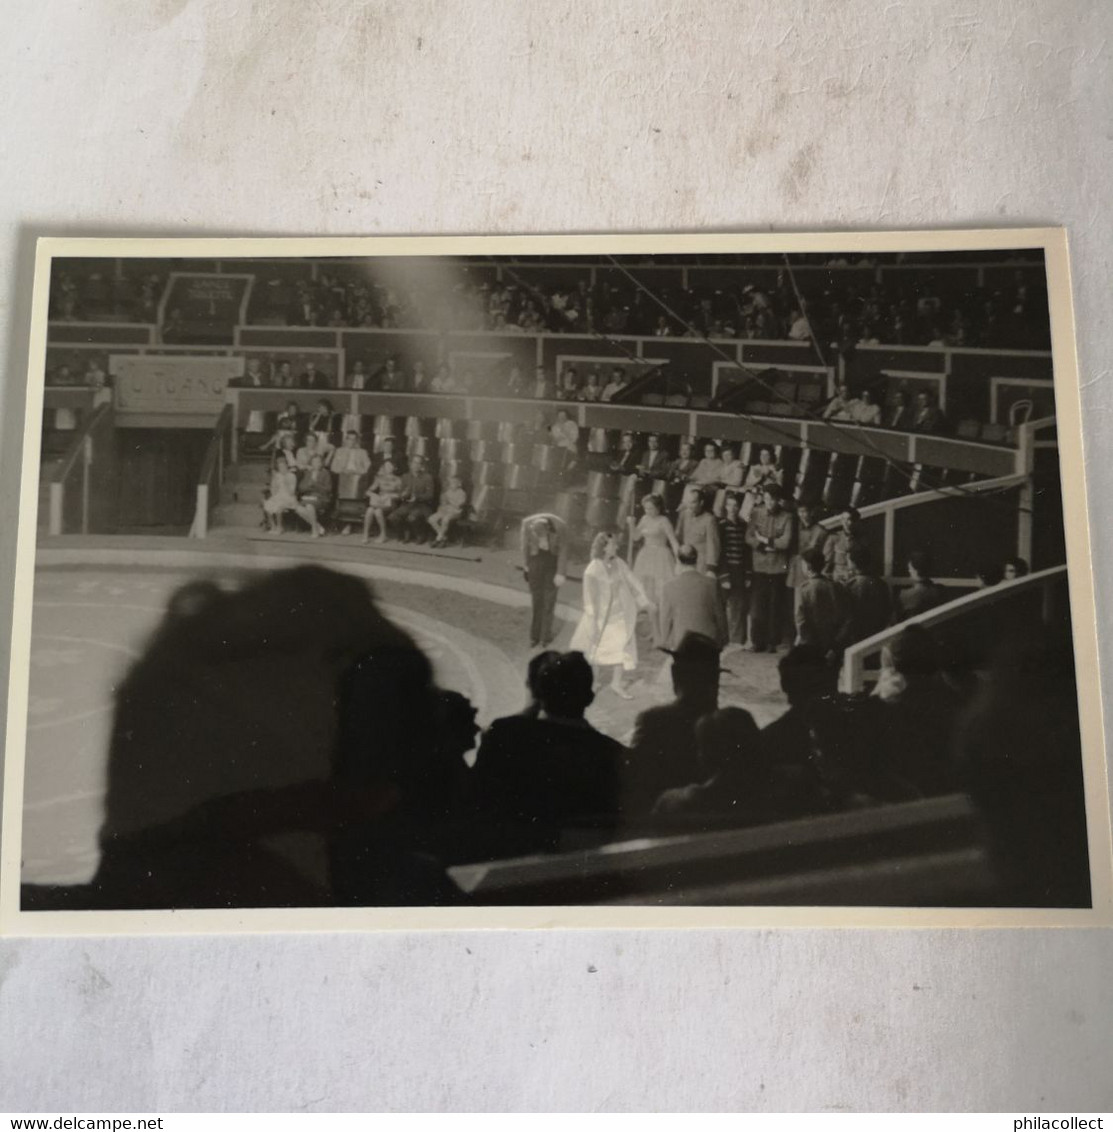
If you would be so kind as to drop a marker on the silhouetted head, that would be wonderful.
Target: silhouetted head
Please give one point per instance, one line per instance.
(805, 674)
(1016, 568)
(728, 743)
(564, 685)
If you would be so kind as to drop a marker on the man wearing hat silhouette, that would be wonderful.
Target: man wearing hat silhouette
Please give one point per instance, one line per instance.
(770, 534)
(663, 750)
(690, 604)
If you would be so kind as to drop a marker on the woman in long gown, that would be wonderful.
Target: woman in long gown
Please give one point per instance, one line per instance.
(655, 562)
(612, 598)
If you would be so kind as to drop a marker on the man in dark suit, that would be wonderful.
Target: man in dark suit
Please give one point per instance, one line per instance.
(655, 461)
(926, 416)
(537, 777)
(690, 604)
(822, 608)
(871, 604)
(313, 378)
(663, 750)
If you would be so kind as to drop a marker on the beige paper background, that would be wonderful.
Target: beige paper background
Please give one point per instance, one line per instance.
(529, 117)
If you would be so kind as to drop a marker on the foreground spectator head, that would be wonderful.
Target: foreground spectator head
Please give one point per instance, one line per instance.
(1016, 568)
(814, 561)
(456, 726)
(687, 555)
(919, 566)
(695, 667)
(991, 574)
(237, 725)
(729, 743)
(860, 558)
(805, 674)
(565, 686)
(533, 671)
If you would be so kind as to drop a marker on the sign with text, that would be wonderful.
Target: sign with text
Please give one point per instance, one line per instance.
(159, 384)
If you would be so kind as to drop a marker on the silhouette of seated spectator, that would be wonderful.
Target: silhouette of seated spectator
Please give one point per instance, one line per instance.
(538, 777)
(737, 787)
(259, 747)
(806, 679)
(871, 604)
(662, 750)
(913, 729)
(1019, 755)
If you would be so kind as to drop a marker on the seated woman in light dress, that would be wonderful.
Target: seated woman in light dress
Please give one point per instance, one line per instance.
(655, 562)
(382, 497)
(612, 598)
(284, 497)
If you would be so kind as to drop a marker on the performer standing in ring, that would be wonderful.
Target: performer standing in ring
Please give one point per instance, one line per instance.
(544, 552)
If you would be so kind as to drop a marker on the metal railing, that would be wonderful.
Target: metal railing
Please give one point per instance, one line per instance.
(211, 476)
(853, 677)
(889, 509)
(71, 486)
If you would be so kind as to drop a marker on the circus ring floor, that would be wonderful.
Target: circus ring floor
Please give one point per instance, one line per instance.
(96, 602)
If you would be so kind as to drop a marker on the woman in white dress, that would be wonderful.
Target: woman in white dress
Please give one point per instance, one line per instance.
(655, 562)
(612, 598)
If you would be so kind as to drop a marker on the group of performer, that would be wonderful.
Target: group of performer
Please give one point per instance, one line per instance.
(744, 576)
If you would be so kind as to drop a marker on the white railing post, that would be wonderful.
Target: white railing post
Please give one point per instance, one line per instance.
(200, 528)
(57, 502)
(86, 464)
(851, 678)
(890, 539)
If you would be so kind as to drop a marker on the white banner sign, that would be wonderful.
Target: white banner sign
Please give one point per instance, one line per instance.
(153, 383)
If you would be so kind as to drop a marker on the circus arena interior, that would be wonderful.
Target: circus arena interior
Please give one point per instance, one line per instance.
(683, 579)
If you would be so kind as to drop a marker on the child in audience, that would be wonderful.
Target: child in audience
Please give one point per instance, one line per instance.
(283, 493)
(453, 501)
(382, 498)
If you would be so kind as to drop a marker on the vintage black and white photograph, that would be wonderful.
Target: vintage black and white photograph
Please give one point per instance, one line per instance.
(377, 577)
